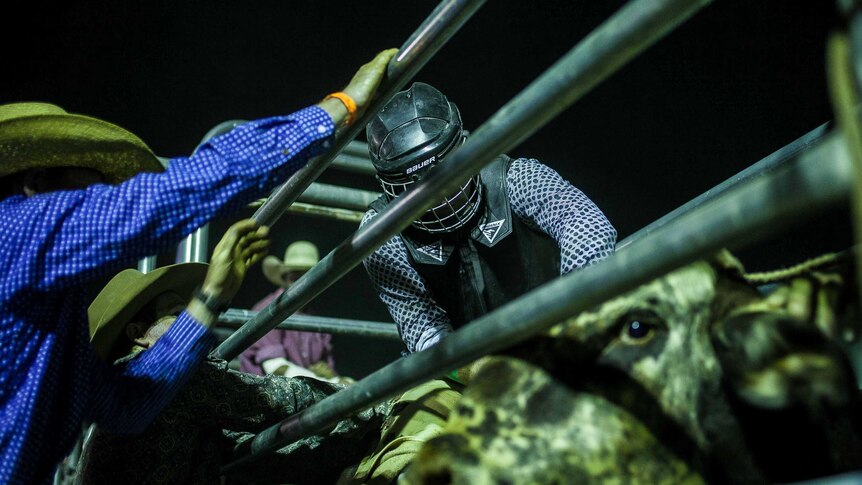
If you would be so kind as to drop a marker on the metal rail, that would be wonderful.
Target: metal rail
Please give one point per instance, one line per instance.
(147, 264)
(321, 211)
(194, 249)
(358, 149)
(632, 29)
(816, 178)
(342, 215)
(435, 31)
(235, 317)
(353, 163)
(338, 197)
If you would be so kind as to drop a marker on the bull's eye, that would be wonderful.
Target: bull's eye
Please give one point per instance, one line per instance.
(638, 327)
(638, 330)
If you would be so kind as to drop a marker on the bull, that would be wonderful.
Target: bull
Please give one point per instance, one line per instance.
(706, 375)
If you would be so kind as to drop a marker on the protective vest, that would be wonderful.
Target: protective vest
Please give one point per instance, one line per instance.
(487, 263)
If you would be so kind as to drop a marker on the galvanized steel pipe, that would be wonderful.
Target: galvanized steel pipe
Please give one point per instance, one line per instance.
(194, 249)
(234, 318)
(354, 164)
(336, 196)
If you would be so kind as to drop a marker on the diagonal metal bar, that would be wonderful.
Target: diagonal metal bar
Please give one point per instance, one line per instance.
(816, 178)
(631, 30)
(628, 32)
(435, 31)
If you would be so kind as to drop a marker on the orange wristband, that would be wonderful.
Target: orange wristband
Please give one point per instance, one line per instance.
(348, 103)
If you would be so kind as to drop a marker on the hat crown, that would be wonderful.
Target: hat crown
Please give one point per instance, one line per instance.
(24, 110)
(301, 254)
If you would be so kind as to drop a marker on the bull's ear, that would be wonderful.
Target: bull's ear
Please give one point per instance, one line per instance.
(728, 264)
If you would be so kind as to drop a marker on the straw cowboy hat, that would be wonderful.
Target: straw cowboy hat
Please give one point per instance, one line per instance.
(129, 291)
(299, 256)
(42, 135)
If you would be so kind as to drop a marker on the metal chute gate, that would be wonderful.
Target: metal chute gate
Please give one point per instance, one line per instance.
(809, 175)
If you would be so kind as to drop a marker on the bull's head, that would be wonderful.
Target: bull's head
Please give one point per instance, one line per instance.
(636, 391)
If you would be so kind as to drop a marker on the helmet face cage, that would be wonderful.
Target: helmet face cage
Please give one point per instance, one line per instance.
(453, 211)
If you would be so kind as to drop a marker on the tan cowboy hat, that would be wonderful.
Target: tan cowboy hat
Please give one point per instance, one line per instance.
(129, 291)
(299, 256)
(42, 135)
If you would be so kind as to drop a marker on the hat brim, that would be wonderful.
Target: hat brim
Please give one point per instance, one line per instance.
(274, 269)
(69, 140)
(129, 291)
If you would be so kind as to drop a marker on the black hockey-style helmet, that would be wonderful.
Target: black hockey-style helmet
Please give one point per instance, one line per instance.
(413, 133)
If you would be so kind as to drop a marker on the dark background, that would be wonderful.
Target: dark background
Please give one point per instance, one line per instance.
(738, 81)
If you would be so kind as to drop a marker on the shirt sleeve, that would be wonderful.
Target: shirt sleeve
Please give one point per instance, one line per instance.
(542, 198)
(64, 238)
(127, 398)
(421, 321)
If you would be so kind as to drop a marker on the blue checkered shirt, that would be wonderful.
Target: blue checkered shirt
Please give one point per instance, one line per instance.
(51, 381)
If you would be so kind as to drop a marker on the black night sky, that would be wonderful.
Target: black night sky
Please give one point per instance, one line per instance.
(738, 81)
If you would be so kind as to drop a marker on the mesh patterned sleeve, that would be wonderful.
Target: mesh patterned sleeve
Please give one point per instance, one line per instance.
(421, 322)
(542, 198)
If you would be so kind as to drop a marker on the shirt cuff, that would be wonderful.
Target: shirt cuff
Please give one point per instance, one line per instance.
(431, 337)
(316, 124)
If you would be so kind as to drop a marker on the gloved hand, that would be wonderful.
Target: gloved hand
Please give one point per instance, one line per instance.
(243, 245)
(361, 88)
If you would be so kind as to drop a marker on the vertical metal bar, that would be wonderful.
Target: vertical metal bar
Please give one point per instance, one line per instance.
(435, 31)
(817, 178)
(760, 169)
(147, 264)
(193, 249)
(628, 32)
(844, 86)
